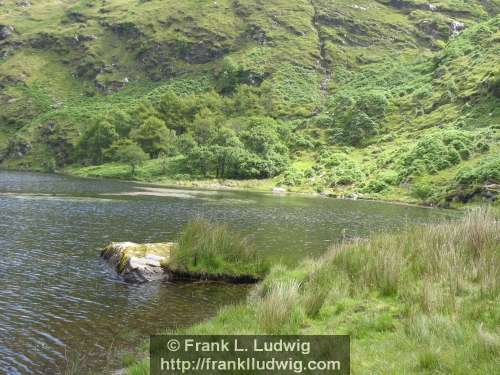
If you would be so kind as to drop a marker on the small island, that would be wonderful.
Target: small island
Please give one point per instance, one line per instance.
(204, 251)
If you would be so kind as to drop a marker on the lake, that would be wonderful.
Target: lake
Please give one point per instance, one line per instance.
(60, 303)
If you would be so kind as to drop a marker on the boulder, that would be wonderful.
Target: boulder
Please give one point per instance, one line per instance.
(6, 31)
(139, 263)
(279, 190)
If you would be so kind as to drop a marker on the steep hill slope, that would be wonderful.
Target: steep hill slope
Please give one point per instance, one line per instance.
(387, 98)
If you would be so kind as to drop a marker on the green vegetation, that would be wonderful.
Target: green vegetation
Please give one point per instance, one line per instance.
(423, 300)
(215, 250)
(381, 99)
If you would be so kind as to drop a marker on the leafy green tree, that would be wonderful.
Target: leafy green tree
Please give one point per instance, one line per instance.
(261, 136)
(128, 152)
(123, 123)
(420, 96)
(373, 103)
(360, 127)
(185, 143)
(224, 145)
(205, 126)
(200, 160)
(95, 140)
(154, 137)
(176, 111)
(268, 155)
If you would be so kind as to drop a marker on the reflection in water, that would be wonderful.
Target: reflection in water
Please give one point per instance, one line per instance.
(57, 296)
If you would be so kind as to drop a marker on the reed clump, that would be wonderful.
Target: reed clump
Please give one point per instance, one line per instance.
(206, 248)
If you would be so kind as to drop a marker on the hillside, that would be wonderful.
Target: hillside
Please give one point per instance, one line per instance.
(391, 99)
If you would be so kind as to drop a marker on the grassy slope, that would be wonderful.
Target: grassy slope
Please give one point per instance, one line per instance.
(67, 61)
(421, 301)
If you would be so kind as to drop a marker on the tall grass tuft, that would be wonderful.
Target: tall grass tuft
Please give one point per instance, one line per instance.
(315, 291)
(275, 308)
(212, 249)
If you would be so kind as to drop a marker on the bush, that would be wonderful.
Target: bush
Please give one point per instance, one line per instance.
(390, 177)
(376, 186)
(211, 249)
(436, 152)
(292, 178)
(373, 103)
(422, 191)
(154, 137)
(488, 170)
(342, 170)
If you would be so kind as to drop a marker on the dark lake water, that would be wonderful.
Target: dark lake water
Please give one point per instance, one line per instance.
(59, 302)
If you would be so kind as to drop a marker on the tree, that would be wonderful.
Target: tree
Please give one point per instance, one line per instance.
(96, 140)
(200, 159)
(360, 127)
(261, 136)
(176, 110)
(123, 122)
(373, 103)
(128, 152)
(154, 137)
(267, 154)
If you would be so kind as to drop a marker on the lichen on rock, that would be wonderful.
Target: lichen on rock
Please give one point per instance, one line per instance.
(138, 263)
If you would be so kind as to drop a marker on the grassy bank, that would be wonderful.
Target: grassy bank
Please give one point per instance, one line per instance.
(422, 300)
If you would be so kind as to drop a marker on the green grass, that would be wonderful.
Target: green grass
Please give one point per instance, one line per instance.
(215, 250)
(422, 300)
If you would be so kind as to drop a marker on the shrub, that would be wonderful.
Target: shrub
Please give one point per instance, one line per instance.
(422, 191)
(359, 128)
(488, 170)
(292, 177)
(436, 152)
(342, 170)
(211, 249)
(376, 186)
(373, 103)
(390, 177)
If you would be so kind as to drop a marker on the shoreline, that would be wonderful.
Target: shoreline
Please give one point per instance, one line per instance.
(216, 186)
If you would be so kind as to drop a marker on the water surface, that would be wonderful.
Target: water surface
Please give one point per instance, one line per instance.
(60, 302)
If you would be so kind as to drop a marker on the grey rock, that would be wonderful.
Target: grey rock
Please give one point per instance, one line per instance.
(6, 31)
(139, 263)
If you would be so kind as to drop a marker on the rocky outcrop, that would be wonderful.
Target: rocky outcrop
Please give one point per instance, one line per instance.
(139, 263)
(6, 31)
